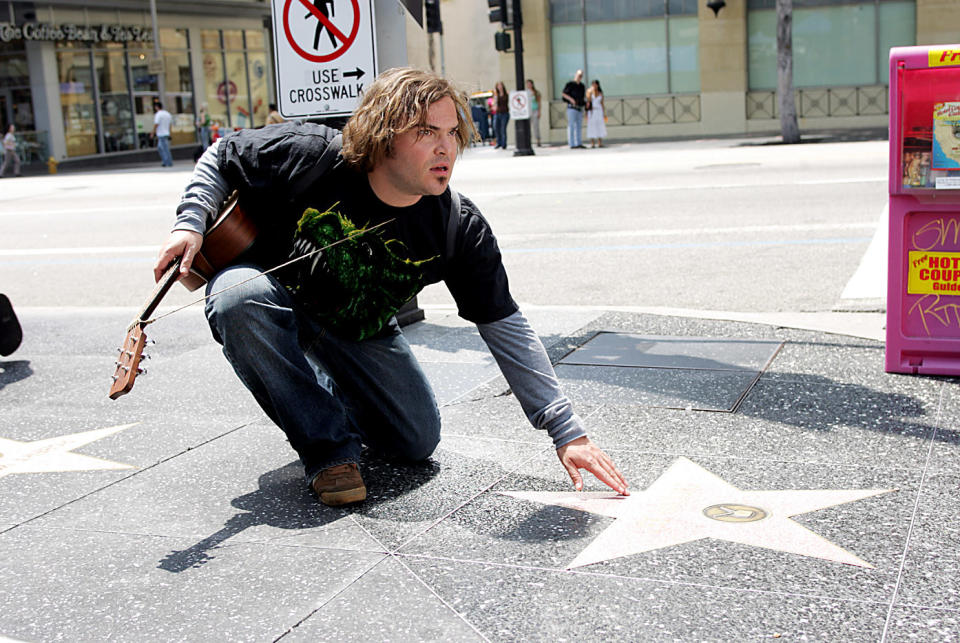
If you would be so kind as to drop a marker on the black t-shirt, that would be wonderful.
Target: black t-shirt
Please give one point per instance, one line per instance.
(356, 286)
(576, 91)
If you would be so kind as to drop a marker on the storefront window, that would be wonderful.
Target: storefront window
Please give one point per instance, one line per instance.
(257, 69)
(116, 110)
(632, 48)
(110, 109)
(179, 91)
(214, 81)
(146, 90)
(629, 57)
(859, 34)
(173, 39)
(210, 39)
(76, 101)
(239, 104)
(684, 54)
(568, 54)
(233, 39)
(235, 77)
(255, 41)
(16, 105)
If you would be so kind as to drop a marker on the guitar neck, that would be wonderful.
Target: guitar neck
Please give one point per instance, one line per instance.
(159, 291)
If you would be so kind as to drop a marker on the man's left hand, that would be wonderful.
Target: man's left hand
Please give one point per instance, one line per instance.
(584, 454)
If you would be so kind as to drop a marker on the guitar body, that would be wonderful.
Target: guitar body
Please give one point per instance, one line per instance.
(231, 235)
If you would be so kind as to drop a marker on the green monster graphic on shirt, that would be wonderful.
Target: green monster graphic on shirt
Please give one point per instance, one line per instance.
(356, 286)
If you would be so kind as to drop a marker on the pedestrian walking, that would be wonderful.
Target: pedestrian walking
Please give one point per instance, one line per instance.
(501, 98)
(534, 110)
(596, 115)
(318, 345)
(161, 131)
(10, 156)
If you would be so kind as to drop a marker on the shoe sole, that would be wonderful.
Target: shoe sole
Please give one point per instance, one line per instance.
(345, 497)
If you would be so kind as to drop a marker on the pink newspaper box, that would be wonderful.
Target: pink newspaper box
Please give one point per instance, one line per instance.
(923, 284)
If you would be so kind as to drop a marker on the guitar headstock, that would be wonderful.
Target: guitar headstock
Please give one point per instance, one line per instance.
(128, 361)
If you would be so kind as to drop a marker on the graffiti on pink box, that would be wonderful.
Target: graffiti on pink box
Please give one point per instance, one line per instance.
(931, 265)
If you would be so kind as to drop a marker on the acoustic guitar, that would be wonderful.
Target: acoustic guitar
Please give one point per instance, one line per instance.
(231, 234)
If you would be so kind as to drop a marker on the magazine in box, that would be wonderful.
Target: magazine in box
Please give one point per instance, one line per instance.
(946, 136)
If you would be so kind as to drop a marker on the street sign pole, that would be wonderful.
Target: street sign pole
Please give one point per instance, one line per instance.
(161, 81)
(522, 125)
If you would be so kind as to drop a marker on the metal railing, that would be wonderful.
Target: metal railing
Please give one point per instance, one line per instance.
(823, 102)
(638, 110)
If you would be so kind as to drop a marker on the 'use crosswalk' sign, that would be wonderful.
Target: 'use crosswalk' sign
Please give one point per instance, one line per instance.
(325, 53)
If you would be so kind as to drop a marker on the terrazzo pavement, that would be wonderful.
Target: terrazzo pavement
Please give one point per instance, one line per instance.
(197, 526)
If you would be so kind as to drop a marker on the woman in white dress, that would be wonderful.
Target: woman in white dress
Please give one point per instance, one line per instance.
(596, 116)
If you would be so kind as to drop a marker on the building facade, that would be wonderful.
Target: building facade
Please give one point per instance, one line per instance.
(674, 68)
(79, 79)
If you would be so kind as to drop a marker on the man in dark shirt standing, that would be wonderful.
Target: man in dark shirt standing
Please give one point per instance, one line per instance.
(318, 346)
(574, 93)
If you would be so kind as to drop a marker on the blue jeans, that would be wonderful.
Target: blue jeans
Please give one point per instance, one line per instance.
(163, 146)
(326, 393)
(500, 128)
(574, 126)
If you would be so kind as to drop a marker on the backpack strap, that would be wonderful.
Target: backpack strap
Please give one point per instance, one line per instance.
(453, 222)
(325, 163)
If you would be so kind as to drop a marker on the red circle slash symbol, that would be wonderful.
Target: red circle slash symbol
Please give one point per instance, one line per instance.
(324, 23)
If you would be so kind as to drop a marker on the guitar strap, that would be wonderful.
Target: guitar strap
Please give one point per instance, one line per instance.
(327, 161)
(453, 222)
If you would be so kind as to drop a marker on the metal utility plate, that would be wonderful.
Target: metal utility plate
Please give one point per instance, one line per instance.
(697, 373)
(658, 351)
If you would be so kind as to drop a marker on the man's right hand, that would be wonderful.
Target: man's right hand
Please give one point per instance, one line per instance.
(180, 243)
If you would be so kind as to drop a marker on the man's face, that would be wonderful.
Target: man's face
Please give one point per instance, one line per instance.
(423, 157)
(578, 76)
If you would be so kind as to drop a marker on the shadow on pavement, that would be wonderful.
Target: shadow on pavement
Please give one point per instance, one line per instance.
(14, 371)
(284, 502)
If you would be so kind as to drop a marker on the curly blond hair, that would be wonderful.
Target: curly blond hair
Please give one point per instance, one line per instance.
(396, 102)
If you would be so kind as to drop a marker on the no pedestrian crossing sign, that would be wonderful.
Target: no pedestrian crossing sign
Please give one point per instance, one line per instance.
(519, 104)
(326, 54)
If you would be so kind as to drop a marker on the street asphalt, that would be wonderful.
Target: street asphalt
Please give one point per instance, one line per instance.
(783, 486)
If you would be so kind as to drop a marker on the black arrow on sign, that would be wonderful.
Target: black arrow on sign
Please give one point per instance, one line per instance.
(358, 73)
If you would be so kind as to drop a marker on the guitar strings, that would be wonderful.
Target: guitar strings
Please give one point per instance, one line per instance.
(144, 323)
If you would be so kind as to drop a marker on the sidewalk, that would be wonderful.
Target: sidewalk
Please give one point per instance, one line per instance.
(783, 485)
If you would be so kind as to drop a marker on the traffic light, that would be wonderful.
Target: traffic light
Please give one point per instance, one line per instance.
(501, 41)
(499, 11)
(432, 9)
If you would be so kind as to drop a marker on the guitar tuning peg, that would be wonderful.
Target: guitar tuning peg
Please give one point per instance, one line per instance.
(144, 356)
(141, 371)
(150, 342)
(119, 349)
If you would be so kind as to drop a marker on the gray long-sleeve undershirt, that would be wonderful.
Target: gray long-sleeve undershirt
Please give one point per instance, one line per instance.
(201, 199)
(525, 365)
(514, 344)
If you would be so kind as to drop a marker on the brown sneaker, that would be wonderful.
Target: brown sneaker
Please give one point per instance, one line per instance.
(340, 485)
